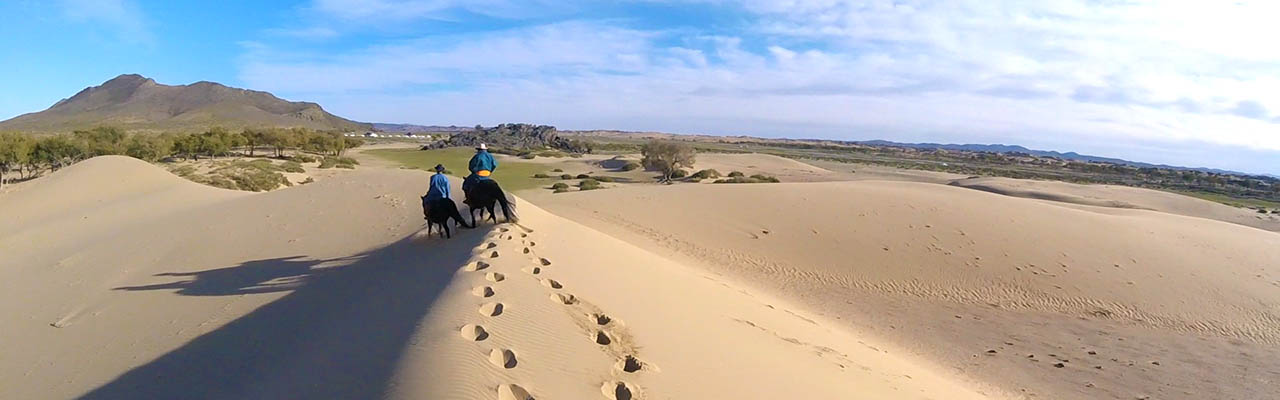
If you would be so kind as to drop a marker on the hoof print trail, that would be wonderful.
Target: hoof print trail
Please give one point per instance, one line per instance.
(491, 309)
(474, 332)
(513, 392)
(494, 254)
(545, 262)
(503, 358)
(602, 338)
(616, 390)
(476, 266)
(482, 291)
(551, 283)
(532, 270)
(495, 277)
(563, 298)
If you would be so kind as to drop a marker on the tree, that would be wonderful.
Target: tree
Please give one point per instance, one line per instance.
(254, 138)
(666, 157)
(188, 146)
(149, 148)
(15, 151)
(58, 151)
(102, 141)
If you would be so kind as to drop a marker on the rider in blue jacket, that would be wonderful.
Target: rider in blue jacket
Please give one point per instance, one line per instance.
(481, 166)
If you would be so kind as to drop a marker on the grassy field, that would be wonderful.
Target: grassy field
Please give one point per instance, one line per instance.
(513, 175)
(1233, 201)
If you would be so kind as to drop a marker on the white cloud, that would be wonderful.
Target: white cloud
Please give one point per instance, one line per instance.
(122, 16)
(1064, 74)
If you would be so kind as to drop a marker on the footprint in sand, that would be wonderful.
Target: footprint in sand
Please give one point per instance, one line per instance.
(603, 338)
(494, 254)
(513, 392)
(502, 358)
(601, 319)
(495, 277)
(545, 262)
(491, 309)
(630, 364)
(526, 250)
(616, 390)
(563, 298)
(482, 291)
(474, 332)
(503, 230)
(531, 243)
(476, 266)
(490, 245)
(532, 270)
(551, 283)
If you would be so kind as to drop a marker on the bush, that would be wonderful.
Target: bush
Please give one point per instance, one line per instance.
(541, 176)
(560, 185)
(630, 166)
(528, 156)
(301, 158)
(679, 173)
(705, 174)
(557, 170)
(339, 162)
(584, 176)
(588, 184)
(184, 171)
(566, 176)
(604, 178)
(561, 190)
(736, 174)
(765, 178)
(667, 157)
(292, 166)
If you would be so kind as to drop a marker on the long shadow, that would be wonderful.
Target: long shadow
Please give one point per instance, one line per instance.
(338, 335)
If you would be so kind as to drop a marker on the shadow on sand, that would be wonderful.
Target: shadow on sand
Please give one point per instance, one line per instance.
(339, 334)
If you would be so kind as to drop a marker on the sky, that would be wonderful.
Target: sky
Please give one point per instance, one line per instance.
(1193, 83)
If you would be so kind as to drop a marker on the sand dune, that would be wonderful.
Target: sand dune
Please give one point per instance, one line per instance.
(1045, 300)
(120, 282)
(1122, 197)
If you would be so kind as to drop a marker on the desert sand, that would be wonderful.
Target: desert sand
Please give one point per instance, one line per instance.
(1043, 299)
(120, 280)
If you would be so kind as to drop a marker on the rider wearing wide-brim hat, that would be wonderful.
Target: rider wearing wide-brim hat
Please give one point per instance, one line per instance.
(481, 166)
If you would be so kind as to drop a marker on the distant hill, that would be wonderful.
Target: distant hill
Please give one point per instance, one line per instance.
(136, 102)
(1070, 155)
(411, 128)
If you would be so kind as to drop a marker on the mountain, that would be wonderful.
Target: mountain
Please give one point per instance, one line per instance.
(136, 102)
(411, 128)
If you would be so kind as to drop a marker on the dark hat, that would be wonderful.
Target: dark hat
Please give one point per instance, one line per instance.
(439, 167)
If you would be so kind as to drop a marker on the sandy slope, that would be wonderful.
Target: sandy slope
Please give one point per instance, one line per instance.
(1041, 298)
(121, 281)
(1122, 197)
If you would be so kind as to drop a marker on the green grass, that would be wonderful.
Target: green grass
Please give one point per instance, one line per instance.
(513, 175)
(1232, 201)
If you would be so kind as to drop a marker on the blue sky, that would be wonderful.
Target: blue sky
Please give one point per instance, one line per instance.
(1177, 82)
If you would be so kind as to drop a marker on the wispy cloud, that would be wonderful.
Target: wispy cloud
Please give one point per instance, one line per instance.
(123, 17)
(1053, 73)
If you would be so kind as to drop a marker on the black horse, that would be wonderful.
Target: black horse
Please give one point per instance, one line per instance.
(439, 212)
(482, 197)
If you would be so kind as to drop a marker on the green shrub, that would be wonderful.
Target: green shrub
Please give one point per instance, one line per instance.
(736, 174)
(566, 176)
(630, 166)
(584, 176)
(765, 178)
(339, 162)
(705, 174)
(301, 158)
(560, 185)
(679, 173)
(557, 170)
(588, 184)
(184, 171)
(292, 166)
(562, 190)
(604, 178)
(540, 175)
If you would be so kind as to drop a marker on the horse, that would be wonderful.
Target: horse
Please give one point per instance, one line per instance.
(482, 197)
(444, 209)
